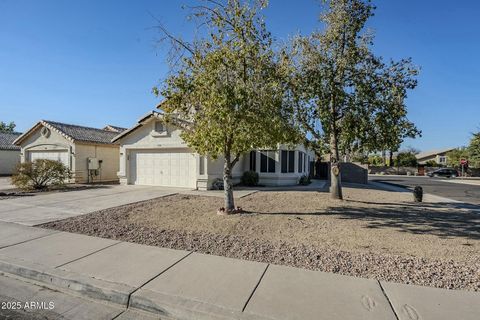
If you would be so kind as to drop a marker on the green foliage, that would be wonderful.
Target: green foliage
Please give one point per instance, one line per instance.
(346, 97)
(228, 88)
(406, 159)
(4, 127)
(250, 178)
(40, 174)
(454, 156)
(432, 163)
(304, 180)
(375, 160)
(474, 151)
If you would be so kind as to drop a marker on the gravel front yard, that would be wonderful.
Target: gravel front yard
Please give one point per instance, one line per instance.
(373, 233)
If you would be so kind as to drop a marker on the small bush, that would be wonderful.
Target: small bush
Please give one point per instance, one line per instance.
(304, 180)
(217, 184)
(249, 178)
(40, 174)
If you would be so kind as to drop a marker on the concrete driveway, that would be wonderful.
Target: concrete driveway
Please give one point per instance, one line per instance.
(5, 184)
(41, 208)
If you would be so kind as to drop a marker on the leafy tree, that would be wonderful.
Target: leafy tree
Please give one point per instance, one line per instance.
(4, 127)
(406, 159)
(375, 160)
(347, 98)
(454, 156)
(227, 90)
(474, 150)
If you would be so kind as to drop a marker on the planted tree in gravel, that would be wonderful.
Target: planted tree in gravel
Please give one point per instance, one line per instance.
(390, 124)
(227, 87)
(341, 88)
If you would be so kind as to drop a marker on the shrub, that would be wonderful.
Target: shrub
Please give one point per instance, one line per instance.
(249, 178)
(304, 180)
(217, 184)
(406, 159)
(40, 174)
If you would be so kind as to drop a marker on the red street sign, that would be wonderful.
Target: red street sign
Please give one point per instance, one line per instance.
(463, 162)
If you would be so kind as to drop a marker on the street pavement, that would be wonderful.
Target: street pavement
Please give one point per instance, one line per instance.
(463, 192)
(131, 281)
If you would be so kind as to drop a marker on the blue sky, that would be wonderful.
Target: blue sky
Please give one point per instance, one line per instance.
(95, 62)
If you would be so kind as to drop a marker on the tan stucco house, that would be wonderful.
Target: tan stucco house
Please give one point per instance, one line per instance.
(153, 153)
(9, 153)
(439, 156)
(87, 152)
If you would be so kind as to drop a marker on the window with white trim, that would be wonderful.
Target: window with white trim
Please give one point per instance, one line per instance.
(287, 161)
(267, 161)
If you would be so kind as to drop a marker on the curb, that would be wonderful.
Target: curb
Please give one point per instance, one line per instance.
(152, 303)
(73, 282)
(431, 197)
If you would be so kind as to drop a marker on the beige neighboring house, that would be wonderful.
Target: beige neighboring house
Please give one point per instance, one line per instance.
(439, 156)
(87, 152)
(9, 153)
(153, 153)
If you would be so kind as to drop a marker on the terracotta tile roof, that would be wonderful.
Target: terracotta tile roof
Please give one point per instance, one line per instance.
(84, 134)
(6, 140)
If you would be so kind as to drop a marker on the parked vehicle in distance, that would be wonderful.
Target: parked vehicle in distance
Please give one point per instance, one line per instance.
(446, 173)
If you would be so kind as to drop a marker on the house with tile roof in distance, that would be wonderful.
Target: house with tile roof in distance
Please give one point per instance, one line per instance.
(9, 153)
(87, 152)
(113, 128)
(438, 155)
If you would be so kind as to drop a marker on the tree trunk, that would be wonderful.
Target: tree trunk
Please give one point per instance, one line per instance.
(390, 159)
(335, 174)
(227, 184)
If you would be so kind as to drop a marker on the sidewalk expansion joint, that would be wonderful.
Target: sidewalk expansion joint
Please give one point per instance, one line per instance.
(40, 237)
(255, 288)
(118, 315)
(388, 299)
(154, 277)
(87, 255)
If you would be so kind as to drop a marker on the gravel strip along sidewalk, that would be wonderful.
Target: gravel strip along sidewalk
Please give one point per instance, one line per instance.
(448, 274)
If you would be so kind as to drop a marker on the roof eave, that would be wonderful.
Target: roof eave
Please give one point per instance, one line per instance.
(136, 126)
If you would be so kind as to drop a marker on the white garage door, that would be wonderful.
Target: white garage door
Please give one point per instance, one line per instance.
(61, 156)
(163, 168)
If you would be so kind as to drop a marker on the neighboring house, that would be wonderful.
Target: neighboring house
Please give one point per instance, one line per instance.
(439, 156)
(9, 153)
(153, 153)
(116, 129)
(87, 152)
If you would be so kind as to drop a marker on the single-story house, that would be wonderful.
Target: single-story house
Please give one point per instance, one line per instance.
(113, 128)
(9, 153)
(87, 152)
(439, 156)
(153, 153)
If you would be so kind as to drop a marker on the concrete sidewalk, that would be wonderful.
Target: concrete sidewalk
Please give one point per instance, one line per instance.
(175, 284)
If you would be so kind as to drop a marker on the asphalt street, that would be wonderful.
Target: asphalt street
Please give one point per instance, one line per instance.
(457, 191)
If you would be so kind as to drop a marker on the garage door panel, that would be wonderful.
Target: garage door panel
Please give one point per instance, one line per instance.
(61, 156)
(163, 168)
